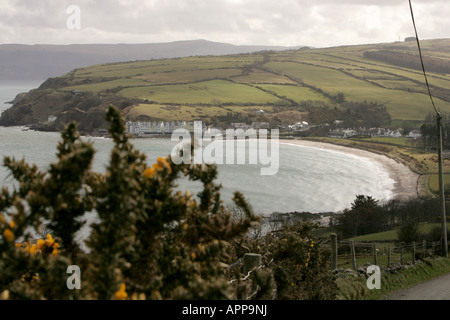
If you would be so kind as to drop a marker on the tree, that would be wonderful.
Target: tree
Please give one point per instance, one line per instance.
(365, 216)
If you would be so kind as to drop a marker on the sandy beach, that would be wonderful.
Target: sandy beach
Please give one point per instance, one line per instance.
(406, 180)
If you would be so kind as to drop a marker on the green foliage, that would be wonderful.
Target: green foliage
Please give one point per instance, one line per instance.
(409, 232)
(147, 240)
(299, 264)
(362, 218)
(301, 267)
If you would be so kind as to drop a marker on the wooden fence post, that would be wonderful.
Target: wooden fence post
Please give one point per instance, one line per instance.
(414, 253)
(401, 255)
(352, 251)
(389, 256)
(433, 249)
(334, 251)
(375, 260)
(251, 260)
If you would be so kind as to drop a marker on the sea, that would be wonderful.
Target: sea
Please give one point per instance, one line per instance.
(309, 179)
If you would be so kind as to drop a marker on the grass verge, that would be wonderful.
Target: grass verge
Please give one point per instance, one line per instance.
(355, 288)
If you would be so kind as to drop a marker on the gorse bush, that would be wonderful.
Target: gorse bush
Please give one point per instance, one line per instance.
(300, 266)
(147, 241)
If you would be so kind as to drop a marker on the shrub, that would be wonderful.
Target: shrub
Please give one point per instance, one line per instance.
(300, 265)
(409, 232)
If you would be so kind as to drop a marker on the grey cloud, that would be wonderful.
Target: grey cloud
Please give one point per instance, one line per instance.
(288, 22)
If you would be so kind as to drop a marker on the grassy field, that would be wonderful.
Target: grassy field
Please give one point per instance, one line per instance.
(267, 78)
(293, 92)
(215, 92)
(176, 113)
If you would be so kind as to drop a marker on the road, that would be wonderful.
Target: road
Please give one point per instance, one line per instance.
(434, 289)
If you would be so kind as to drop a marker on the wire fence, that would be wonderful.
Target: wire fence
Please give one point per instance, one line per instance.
(352, 254)
(250, 263)
(345, 254)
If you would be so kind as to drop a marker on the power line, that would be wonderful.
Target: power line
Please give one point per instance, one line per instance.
(420, 55)
(440, 157)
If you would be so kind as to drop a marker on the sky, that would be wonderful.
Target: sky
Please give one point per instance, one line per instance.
(314, 23)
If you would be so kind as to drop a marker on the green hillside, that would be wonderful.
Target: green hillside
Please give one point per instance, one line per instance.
(316, 85)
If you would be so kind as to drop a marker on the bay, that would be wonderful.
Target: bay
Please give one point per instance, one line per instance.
(308, 179)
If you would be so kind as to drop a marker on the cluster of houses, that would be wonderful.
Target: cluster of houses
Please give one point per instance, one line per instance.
(142, 128)
(373, 132)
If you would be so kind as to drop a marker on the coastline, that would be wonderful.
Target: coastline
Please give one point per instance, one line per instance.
(406, 181)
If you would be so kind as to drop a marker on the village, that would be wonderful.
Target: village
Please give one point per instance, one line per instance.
(150, 128)
(372, 132)
(147, 128)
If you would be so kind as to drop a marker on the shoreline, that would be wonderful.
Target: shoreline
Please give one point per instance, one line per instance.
(405, 180)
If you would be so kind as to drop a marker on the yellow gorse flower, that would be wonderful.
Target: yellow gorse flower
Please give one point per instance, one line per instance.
(50, 240)
(33, 249)
(148, 173)
(160, 164)
(41, 246)
(8, 235)
(41, 243)
(121, 294)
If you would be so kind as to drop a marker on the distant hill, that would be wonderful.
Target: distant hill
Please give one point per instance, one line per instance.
(36, 62)
(373, 85)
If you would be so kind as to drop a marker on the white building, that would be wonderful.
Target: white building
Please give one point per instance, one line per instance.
(133, 127)
(414, 134)
(145, 128)
(141, 128)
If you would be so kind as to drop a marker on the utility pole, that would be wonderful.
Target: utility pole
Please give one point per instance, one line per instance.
(441, 188)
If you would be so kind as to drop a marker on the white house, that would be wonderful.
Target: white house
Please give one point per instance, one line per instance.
(52, 118)
(414, 134)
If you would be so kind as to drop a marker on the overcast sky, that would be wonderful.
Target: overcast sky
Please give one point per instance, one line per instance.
(317, 23)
